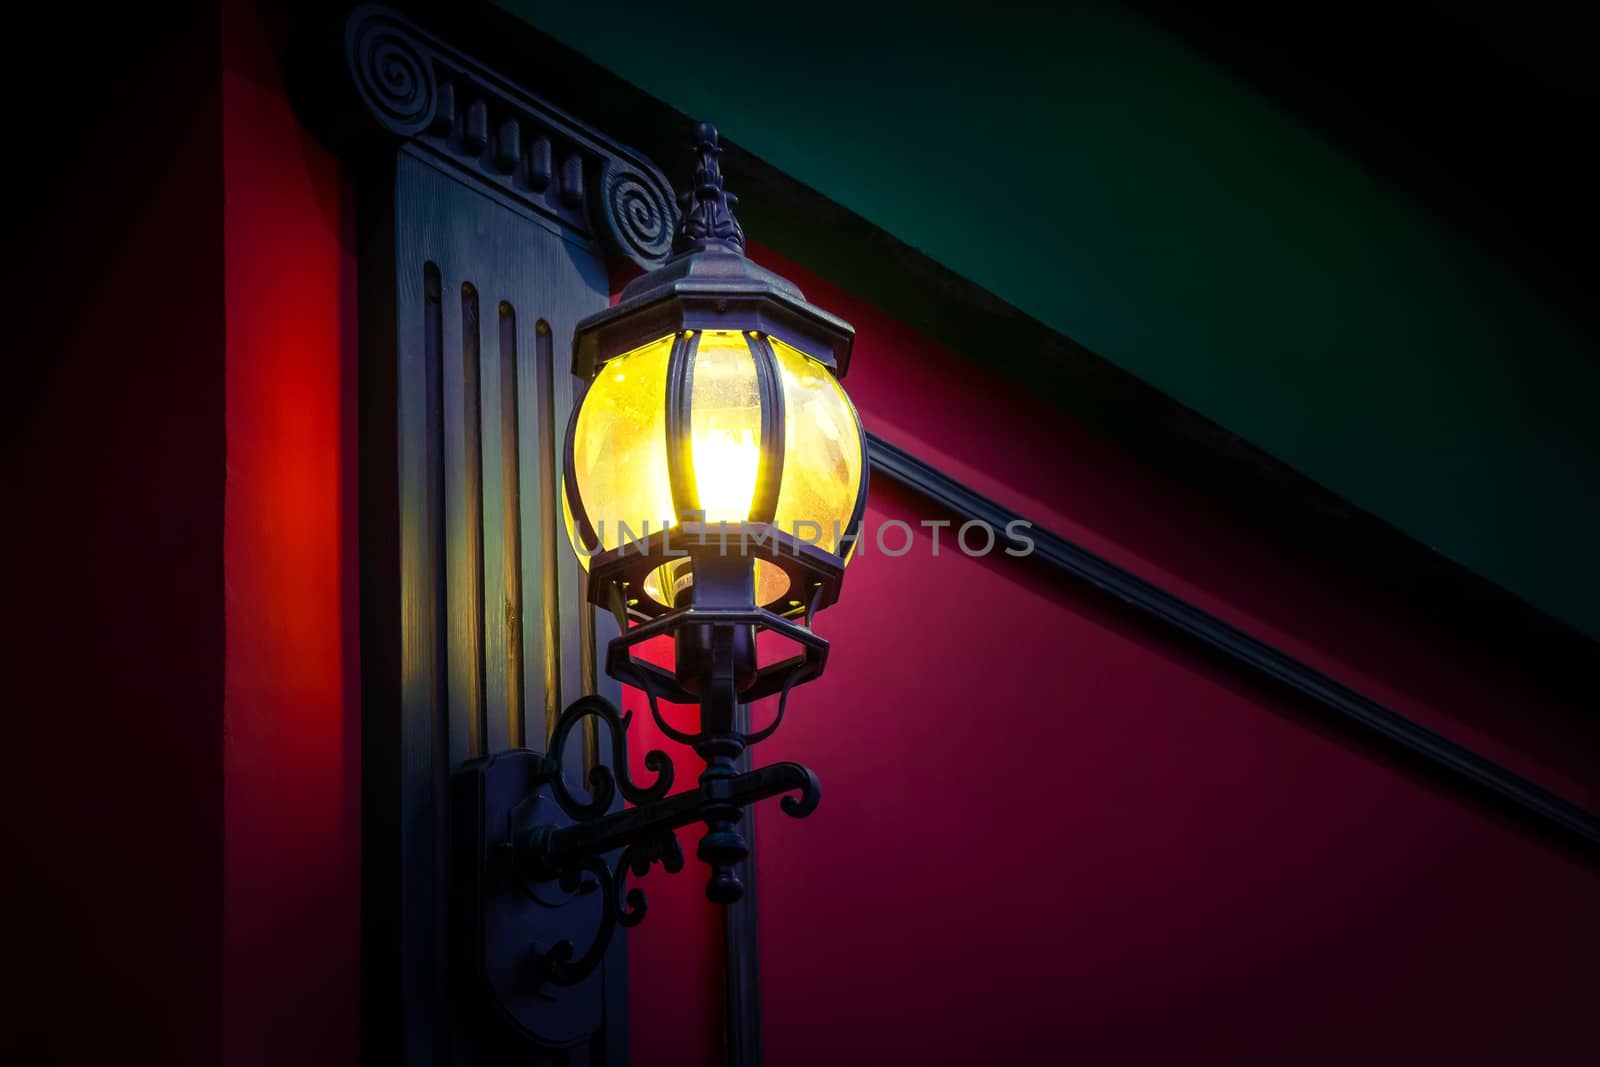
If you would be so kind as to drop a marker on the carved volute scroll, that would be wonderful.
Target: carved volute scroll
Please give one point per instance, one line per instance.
(408, 85)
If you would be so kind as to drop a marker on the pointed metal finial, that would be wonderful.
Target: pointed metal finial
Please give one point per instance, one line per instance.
(708, 207)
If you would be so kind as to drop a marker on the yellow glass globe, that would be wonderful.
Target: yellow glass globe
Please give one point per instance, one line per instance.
(621, 441)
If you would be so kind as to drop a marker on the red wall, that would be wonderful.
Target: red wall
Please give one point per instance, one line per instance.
(1046, 829)
(291, 771)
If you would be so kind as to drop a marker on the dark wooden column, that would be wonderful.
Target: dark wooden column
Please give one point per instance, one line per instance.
(488, 222)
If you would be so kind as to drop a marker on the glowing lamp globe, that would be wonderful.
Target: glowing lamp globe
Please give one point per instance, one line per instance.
(715, 429)
(715, 462)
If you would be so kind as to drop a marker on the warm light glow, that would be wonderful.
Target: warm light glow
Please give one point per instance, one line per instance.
(821, 454)
(725, 472)
(671, 580)
(725, 426)
(620, 450)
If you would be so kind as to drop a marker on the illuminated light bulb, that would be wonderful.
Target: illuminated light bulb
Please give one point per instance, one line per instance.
(725, 426)
(725, 468)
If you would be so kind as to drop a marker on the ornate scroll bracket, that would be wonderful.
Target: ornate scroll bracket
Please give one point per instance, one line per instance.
(401, 83)
(619, 905)
(546, 870)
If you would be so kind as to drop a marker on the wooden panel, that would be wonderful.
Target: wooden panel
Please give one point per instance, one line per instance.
(574, 613)
(497, 725)
(511, 532)
(483, 294)
(463, 511)
(542, 536)
(414, 841)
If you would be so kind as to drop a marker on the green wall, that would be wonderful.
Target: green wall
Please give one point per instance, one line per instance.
(1089, 169)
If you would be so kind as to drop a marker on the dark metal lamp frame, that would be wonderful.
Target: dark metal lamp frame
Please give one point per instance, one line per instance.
(534, 839)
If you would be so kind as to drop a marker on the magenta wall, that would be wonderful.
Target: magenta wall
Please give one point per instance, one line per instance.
(1049, 831)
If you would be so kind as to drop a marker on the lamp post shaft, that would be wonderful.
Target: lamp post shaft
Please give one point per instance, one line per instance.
(720, 744)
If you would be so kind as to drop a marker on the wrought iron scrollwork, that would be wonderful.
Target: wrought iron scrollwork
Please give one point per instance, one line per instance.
(493, 133)
(603, 781)
(556, 964)
(574, 857)
(662, 848)
(620, 904)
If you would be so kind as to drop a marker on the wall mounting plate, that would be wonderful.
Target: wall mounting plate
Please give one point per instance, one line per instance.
(502, 923)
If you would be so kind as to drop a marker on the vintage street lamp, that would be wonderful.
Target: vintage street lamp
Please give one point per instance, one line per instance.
(715, 477)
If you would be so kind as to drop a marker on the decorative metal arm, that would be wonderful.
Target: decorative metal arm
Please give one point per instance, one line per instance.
(574, 855)
(546, 852)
